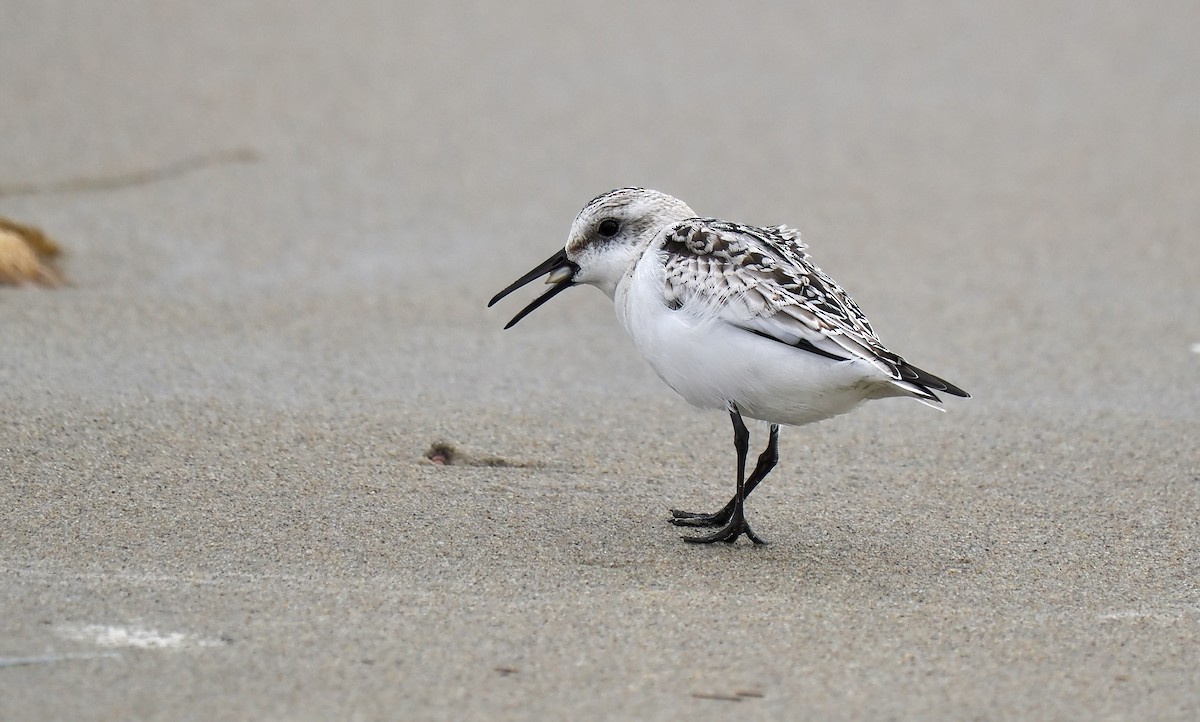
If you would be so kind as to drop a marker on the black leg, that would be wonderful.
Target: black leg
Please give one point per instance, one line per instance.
(766, 462)
(737, 520)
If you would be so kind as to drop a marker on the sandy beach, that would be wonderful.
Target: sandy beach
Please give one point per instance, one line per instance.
(282, 222)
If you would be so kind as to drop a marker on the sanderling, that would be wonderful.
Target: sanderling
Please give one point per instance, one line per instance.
(732, 317)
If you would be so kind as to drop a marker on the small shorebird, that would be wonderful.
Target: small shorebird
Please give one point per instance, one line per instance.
(732, 317)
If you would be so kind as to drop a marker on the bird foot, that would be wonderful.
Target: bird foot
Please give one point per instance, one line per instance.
(729, 533)
(691, 518)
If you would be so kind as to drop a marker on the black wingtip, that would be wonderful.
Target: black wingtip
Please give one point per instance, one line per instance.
(928, 380)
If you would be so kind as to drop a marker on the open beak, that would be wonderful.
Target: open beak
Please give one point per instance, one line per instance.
(562, 276)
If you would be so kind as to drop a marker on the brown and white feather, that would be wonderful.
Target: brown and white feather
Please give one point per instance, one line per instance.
(764, 281)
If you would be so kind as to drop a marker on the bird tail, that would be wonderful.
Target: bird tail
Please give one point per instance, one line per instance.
(921, 385)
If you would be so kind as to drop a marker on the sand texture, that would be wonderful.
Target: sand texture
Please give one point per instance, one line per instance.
(281, 222)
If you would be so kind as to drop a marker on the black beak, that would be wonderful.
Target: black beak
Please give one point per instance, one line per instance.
(556, 265)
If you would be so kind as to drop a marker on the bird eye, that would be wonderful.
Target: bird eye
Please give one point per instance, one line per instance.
(609, 227)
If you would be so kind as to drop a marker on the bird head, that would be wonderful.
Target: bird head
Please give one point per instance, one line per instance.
(608, 236)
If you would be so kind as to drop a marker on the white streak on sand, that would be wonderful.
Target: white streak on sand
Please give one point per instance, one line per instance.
(107, 635)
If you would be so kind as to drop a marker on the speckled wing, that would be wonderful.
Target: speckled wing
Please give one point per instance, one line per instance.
(763, 280)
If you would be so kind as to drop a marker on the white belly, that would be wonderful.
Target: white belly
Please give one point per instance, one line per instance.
(711, 363)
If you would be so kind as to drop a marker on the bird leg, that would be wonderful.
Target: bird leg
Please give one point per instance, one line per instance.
(766, 462)
(736, 526)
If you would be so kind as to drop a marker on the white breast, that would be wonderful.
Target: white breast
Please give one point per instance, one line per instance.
(711, 363)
